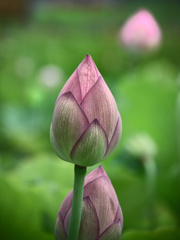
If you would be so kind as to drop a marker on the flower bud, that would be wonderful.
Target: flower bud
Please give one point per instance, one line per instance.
(141, 145)
(141, 32)
(86, 125)
(101, 217)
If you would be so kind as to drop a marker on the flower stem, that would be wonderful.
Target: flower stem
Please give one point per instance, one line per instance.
(76, 209)
(150, 169)
(178, 138)
(178, 122)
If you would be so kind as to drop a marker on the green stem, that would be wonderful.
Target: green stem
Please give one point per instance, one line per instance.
(76, 209)
(178, 124)
(178, 137)
(150, 168)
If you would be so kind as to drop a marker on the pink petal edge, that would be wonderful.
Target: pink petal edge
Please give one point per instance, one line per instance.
(99, 103)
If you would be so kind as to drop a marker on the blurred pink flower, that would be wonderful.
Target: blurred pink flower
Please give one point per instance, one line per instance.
(86, 125)
(141, 31)
(101, 217)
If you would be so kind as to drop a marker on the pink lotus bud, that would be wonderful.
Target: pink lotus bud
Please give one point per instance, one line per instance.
(86, 125)
(101, 217)
(141, 31)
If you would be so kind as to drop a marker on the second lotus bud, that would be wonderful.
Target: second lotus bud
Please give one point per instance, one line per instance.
(101, 217)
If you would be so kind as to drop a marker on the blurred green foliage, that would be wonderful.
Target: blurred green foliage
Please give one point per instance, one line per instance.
(156, 235)
(33, 181)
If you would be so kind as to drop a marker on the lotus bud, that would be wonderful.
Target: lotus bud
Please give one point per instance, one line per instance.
(101, 217)
(141, 31)
(141, 145)
(86, 125)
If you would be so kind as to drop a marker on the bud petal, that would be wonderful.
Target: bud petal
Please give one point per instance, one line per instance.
(60, 233)
(104, 199)
(88, 74)
(54, 144)
(99, 103)
(98, 172)
(73, 86)
(91, 146)
(112, 232)
(119, 216)
(69, 122)
(66, 204)
(115, 138)
(89, 228)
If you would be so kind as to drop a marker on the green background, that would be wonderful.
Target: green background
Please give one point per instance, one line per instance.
(33, 181)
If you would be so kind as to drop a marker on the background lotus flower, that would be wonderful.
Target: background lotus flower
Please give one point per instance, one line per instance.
(101, 213)
(86, 125)
(141, 31)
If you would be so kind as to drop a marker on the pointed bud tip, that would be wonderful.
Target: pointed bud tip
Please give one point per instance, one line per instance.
(101, 170)
(87, 59)
(88, 56)
(143, 10)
